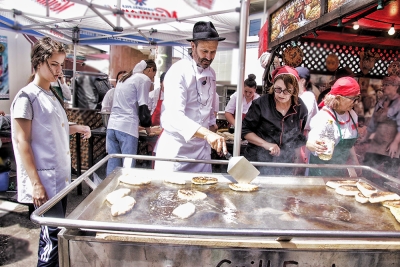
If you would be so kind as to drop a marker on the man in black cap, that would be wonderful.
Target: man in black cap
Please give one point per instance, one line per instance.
(187, 109)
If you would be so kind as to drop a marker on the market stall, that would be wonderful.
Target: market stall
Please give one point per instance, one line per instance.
(287, 221)
(326, 35)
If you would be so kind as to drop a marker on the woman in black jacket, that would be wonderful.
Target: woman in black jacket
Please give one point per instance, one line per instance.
(275, 123)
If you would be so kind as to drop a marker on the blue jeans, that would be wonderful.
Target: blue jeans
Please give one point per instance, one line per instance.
(120, 143)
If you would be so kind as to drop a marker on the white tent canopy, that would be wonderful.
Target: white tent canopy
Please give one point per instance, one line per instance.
(111, 22)
(132, 22)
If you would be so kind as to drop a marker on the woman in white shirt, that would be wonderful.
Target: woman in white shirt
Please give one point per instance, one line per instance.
(249, 94)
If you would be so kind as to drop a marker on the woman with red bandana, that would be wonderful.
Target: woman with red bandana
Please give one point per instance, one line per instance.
(337, 107)
(275, 122)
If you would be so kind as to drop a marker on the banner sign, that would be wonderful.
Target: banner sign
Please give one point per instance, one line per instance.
(4, 84)
(293, 15)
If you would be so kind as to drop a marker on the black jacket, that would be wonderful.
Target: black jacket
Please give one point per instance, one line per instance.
(266, 122)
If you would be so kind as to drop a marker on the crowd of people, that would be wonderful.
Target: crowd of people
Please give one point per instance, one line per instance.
(286, 125)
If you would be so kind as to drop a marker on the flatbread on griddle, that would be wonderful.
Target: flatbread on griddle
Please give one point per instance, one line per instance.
(347, 190)
(361, 198)
(117, 194)
(336, 183)
(366, 189)
(185, 210)
(132, 180)
(204, 180)
(396, 212)
(383, 196)
(191, 194)
(243, 187)
(175, 180)
(391, 203)
(122, 206)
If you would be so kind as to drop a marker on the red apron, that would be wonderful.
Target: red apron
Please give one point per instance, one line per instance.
(234, 115)
(155, 118)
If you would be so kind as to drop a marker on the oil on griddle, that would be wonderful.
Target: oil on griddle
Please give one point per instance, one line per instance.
(273, 206)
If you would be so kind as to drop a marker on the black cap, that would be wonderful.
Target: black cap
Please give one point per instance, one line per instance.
(205, 31)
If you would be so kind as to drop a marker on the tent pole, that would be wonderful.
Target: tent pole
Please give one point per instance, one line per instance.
(244, 14)
(74, 76)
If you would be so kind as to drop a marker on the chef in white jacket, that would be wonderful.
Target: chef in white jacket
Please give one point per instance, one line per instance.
(188, 109)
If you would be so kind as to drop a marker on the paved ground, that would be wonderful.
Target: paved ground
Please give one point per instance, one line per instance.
(19, 236)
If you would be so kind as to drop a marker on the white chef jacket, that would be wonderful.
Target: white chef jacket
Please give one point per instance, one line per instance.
(50, 141)
(187, 105)
(128, 96)
(231, 106)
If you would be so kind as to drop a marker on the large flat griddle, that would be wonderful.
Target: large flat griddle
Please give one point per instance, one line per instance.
(271, 207)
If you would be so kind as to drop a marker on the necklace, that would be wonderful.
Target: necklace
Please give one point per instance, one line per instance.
(199, 99)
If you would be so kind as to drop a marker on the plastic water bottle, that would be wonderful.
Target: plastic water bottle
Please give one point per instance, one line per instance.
(327, 139)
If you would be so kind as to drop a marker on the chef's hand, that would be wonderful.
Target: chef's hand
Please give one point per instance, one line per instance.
(216, 142)
(213, 128)
(274, 149)
(39, 194)
(317, 146)
(2, 113)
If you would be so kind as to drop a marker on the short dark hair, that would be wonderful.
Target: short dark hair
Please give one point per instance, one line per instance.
(119, 74)
(251, 81)
(162, 77)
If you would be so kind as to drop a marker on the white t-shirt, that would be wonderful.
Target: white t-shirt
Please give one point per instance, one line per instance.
(231, 106)
(107, 102)
(311, 104)
(153, 99)
(128, 96)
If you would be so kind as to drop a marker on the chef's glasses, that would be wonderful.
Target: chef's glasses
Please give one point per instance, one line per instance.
(279, 90)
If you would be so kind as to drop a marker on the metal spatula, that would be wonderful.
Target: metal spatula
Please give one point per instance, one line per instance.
(241, 169)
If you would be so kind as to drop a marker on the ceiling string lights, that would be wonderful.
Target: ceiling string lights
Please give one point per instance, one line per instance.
(356, 26)
(391, 30)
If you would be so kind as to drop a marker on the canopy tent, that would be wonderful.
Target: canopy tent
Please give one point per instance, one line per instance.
(132, 22)
(113, 22)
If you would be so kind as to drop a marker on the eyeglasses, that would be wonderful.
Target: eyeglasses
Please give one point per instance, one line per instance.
(354, 99)
(389, 84)
(279, 90)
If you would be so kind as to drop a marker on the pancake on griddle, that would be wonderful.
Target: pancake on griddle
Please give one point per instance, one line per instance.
(396, 212)
(204, 180)
(243, 187)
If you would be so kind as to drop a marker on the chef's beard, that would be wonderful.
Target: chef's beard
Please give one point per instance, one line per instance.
(202, 62)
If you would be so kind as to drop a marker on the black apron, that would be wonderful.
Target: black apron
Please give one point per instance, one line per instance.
(340, 155)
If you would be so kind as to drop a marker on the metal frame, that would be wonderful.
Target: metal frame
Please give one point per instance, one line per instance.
(135, 228)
